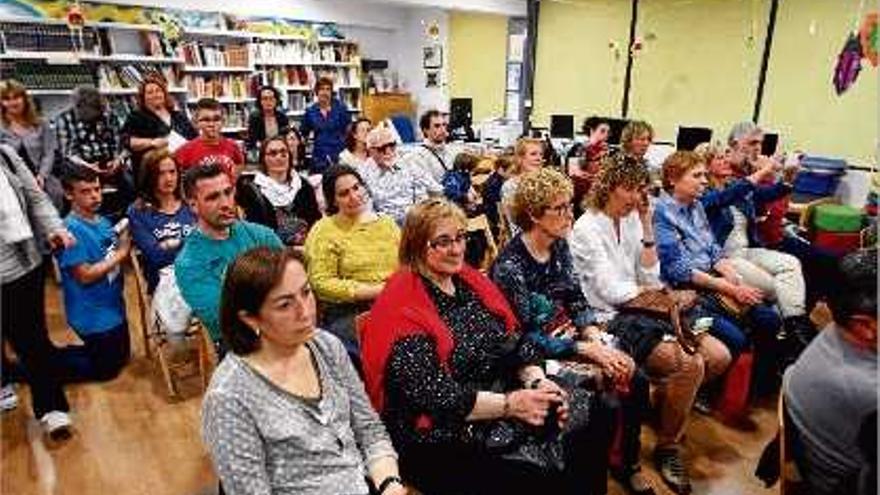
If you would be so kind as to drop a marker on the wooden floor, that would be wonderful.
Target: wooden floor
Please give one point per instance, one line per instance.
(129, 440)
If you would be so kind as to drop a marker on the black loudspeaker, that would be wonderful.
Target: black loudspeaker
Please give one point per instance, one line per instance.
(689, 137)
(460, 113)
(562, 126)
(615, 128)
(769, 145)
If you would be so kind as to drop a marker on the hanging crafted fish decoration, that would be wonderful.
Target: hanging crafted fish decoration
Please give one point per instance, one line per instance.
(849, 64)
(868, 35)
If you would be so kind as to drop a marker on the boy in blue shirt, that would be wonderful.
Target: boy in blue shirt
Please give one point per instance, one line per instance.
(92, 282)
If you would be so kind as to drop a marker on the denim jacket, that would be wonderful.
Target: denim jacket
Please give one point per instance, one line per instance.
(747, 198)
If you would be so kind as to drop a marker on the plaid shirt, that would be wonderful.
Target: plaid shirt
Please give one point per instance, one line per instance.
(395, 189)
(684, 240)
(92, 142)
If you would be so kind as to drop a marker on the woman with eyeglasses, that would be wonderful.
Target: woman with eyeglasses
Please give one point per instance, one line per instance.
(445, 367)
(277, 196)
(351, 252)
(535, 272)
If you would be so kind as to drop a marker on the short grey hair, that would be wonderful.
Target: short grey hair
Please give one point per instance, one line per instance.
(741, 130)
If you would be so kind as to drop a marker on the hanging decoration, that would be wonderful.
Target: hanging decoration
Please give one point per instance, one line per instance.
(870, 37)
(849, 64)
(76, 20)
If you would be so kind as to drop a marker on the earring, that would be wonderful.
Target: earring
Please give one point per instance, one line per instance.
(258, 331)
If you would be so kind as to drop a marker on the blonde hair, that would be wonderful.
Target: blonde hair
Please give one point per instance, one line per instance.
(678, 164)
(519, 151)
(421, 220)
(618, 170)
(11, 88)
(534, 193)
(709, 151)
(631, 131)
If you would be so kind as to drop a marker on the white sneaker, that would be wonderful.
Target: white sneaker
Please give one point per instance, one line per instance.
(8, 398)
(56, 424)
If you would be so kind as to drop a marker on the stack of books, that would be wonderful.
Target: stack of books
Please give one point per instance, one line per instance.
(45, 38)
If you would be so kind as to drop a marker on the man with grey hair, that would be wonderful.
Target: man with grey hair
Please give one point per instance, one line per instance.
(745, 140)
(88, 137)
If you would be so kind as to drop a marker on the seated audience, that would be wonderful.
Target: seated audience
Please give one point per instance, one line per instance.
(356, 153)
(690, 256)
(22, 128)
(351, 252)
(615, 258)
(285, 411)
(831, 391)
(635, 138)
(433, 156)
(269, 119)
(457, 183)
(160, 220)
(156, 123)
(210, 147)
(297, 146)
(528, 157)
(394, 185)
(819, 266)
(730, 206)
(88, 138)
(446, 369)
(25, 220)
(218, 238)
(491, 191)
(587, 159)
(534, 270)
(277, 196)
(327, 119)
(92, 282)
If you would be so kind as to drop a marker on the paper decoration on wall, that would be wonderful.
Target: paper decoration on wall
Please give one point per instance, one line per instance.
(432, 30)
(76, 20)
(432, 57)
(171, 26)
(432, 78)
(849, 64)
(869, 37)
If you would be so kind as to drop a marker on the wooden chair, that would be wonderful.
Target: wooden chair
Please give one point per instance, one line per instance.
(156, 340)
(481, 223)
(360, 322)
(790, 481)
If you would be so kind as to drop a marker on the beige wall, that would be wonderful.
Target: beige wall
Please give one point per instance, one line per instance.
(478, 61)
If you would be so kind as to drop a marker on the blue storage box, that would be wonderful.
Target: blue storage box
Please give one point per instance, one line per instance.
(819, 176)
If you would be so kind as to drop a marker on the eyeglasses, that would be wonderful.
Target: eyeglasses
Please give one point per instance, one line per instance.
(560, 210)
(446, 242)
(387, 147)
(278, 152)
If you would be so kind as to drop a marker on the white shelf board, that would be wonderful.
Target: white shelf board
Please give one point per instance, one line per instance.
(215, 69)
(316, 63)
(233, 129)
(224, 99)
(293, 88)
(73, 57)
(217, 32)
(61, 22)
(124, 57)
(278, 37)
(296, 113)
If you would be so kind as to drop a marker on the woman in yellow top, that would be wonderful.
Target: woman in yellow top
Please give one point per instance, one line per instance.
(351, 252)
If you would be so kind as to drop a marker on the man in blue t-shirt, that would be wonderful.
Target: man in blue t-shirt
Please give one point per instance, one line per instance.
(91, 278)
(218, 239)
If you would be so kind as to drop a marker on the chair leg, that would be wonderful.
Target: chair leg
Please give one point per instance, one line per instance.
(166, 372)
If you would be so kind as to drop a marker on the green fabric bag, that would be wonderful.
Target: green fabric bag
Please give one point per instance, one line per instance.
(837, 218)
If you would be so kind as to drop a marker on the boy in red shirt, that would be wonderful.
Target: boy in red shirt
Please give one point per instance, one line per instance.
(210, 147)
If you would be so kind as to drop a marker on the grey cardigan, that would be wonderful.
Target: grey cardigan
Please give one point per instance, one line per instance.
(264, 440)
(39, 145)
(18, 259)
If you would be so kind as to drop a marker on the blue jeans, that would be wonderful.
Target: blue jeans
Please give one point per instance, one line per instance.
(761, 319)
(101, 357)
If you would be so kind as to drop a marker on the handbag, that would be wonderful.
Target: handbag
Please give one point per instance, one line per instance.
(669, 305)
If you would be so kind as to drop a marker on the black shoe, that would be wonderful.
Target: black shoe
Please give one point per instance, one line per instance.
(633, 481)
(668, 463)
(703, 402)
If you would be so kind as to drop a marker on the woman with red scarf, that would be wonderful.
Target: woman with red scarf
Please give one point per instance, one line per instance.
(439, 340)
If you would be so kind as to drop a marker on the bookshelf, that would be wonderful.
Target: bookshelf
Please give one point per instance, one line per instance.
(51, 60)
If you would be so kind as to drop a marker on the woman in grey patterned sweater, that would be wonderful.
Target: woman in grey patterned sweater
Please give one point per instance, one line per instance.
(286, 412)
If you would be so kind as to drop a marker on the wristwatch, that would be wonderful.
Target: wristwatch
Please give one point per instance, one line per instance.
(649, 243)
(387, 482)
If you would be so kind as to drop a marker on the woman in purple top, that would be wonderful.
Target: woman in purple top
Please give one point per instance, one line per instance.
(160, 220)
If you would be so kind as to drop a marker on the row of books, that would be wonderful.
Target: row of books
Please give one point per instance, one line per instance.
(38, 75)
(304, 76)
(236, 115)
(221, 86)
(131, 75)
(46, 38)
(202, 55)
(299, 52)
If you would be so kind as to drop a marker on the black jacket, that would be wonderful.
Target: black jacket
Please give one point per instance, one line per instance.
(259, 210)
(257, 128)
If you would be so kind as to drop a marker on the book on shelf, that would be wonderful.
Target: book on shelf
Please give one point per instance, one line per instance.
(219, 86)
(201, 55)
(27, 37)
(305, 77)
(40, 75)
(130, 76)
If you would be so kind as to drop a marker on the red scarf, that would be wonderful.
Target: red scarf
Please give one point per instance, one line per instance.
(404, 308)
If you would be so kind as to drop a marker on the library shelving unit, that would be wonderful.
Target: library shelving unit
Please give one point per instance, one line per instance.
(51, 60)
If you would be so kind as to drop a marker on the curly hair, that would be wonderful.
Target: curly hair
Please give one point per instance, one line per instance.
(617, 170)
(710, 150)
(534, 194)
(633, 130)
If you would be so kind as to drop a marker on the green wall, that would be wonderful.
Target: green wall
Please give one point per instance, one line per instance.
(699, 66)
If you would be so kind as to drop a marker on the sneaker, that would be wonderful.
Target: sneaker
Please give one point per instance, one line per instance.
(56, 424)
(703, 402)
(668, 463)
(8, 398)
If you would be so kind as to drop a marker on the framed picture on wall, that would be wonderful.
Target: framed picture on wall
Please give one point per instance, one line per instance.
(514, 76)
(432, 78)
(432, 57)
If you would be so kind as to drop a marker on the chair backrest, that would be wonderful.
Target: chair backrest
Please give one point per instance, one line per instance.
(360, 322)
(140, 284)
(790, 481)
